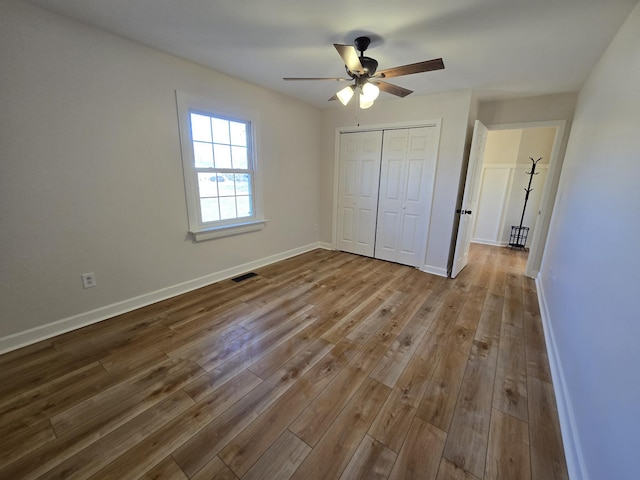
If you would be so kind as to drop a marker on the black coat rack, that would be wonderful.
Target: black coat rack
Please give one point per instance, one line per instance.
(519, 234)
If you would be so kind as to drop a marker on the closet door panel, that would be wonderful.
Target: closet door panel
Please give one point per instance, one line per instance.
(358, 191)
(414, 181)
(418, 195)
(414, 166)
(347, 225)
(387, 237)
(410, 228)
(392, 186)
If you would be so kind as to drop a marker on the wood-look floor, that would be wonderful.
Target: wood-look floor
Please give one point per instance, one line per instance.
(327, 365)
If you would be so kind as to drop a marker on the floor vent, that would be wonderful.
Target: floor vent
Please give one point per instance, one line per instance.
(244, 277)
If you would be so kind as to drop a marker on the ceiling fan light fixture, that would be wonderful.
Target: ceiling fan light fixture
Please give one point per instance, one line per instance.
(369, 93)
(345, 94)
(364, 104)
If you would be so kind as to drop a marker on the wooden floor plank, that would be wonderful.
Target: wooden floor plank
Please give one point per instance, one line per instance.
(76, 454)
(547, 453)
(371, 461)
(421, 453)
(130, 397)
(372, 323)
(245, 449)
(508, 454)
(316, 418)
(150, 451)
(281, 460)
(513, 306)
(168, 469)
(206, 443)
(334, 451)
(468, 436)
(392, 423)
(438, 402)
(535, 348)
(510, 392)
(25, 441)
(215, 470)
(451, 471)
(323, 365)
(40, 404)
(349, 322)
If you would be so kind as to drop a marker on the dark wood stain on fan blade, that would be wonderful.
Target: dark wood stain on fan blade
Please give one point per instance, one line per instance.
(335, 79)
(427, 66)
(393, 89)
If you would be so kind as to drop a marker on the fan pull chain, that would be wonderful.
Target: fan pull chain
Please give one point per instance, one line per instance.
(357, 106)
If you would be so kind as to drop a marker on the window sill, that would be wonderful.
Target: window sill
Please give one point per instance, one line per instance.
(227, 230)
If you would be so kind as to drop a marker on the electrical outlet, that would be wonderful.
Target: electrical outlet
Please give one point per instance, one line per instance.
(88, 280)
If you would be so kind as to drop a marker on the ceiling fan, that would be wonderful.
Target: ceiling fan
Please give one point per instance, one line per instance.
(367, 80)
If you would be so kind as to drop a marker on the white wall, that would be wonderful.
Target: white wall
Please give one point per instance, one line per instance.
(502, 146)
(91, 177)
(454, 110)
(590, 276)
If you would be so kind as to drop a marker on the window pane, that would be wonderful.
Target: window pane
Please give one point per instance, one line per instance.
(242, 184)
(202, 155)
(244, 206)
(227, 208)
(225, 186)
(222, 155)
(220, 130)
(200, 128)
(238, 134)
(239, 155)
(209, 209)
(207, 185)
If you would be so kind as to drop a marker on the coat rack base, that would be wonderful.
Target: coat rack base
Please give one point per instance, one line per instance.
(518, 238)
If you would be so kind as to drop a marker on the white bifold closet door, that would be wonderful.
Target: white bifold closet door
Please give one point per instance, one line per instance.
(385, 192)
(358, 191)
(405, 195)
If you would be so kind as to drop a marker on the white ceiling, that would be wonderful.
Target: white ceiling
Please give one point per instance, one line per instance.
(499, 48)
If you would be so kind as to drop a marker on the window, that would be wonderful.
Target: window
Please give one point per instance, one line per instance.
(219, 164)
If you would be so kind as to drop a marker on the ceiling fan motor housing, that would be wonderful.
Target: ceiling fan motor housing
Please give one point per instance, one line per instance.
(369, 64)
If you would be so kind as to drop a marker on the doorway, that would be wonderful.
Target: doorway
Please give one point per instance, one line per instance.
(498, 182)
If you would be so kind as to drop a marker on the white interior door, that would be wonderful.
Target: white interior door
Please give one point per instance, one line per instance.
(406, 193)
(358, 191)
(469, 198)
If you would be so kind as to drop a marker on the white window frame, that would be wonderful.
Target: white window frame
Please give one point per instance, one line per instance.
(187, 104)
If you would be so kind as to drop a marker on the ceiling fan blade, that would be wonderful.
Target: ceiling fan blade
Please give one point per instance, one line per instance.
(336, 79)
(393, 89)
(350, 57)
(427, 66)
(335, 97)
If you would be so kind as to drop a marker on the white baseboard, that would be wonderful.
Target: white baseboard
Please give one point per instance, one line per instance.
(489, 242)
(33, 335)
(441, 272)
(572, 449)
